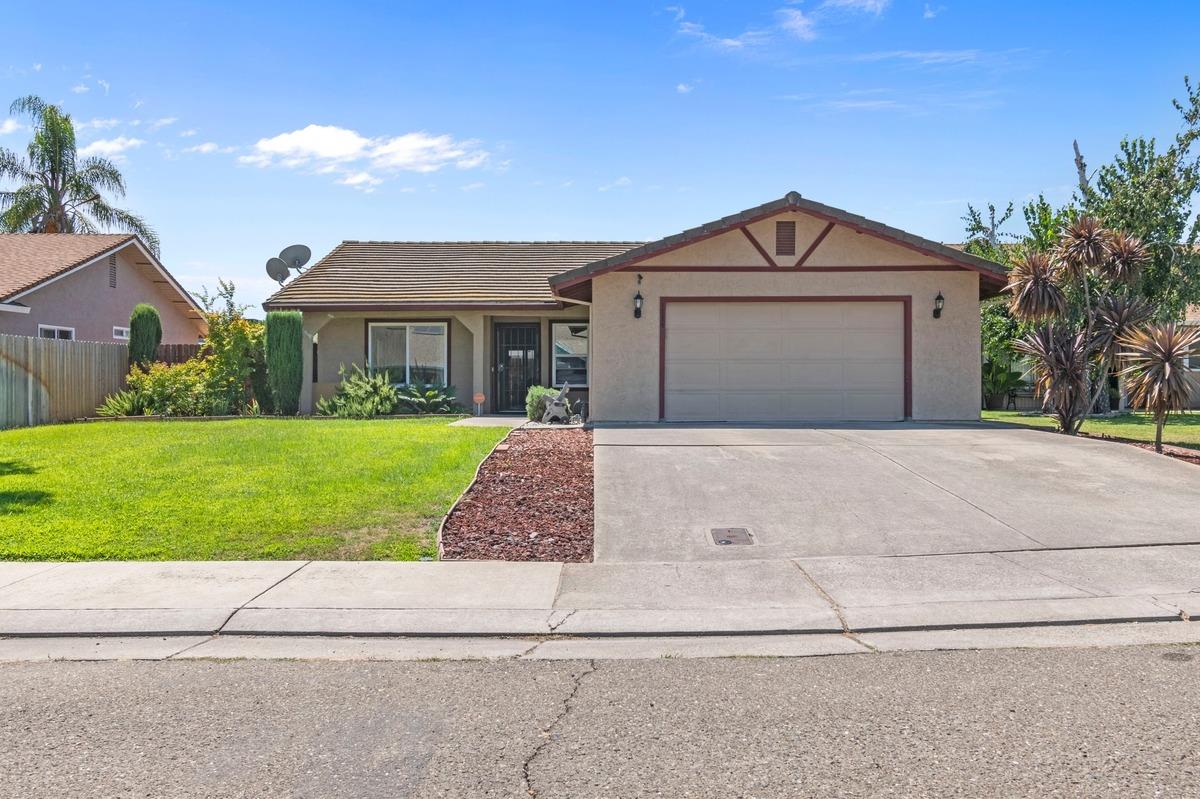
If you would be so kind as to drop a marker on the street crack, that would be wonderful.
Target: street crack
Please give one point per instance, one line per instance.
(548, 730)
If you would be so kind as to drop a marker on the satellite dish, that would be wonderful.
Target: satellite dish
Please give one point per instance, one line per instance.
(295, 256)
(277, 268)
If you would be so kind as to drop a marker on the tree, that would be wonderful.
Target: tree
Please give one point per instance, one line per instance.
(285, 359)
(145, 334)
(57, 191)
(984, 237)
(1148, 192)
(229, 344)
(1156, 376)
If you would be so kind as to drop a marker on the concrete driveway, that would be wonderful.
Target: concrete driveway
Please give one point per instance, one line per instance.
(887, 489)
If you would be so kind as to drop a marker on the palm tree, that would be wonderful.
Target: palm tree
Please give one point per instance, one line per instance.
(1155, 375)
(57, 191)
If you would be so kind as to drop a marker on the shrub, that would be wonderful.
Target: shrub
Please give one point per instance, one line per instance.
(536, 401)
(229, 343)
(145, 334)
(180, 389)
(428, 398)
(123, 403)
(285, 360)
(359, 396)
(260, 387)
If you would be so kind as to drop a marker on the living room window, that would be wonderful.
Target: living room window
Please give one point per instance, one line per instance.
(571, 349)
(410, 352)
(56, 331)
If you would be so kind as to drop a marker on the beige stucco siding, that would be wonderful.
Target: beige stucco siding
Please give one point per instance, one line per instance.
(945, 352)
(85, 301)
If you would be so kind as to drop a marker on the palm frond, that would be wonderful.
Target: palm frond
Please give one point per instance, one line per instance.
(1083, 246)
(1033, 283)
(1060, 370)
(1126, 257)
(1116, 317)
(1156, 377)
(117, 218)
(99, 174)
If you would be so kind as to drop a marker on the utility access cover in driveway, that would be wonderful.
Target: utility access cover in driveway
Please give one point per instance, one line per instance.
(878, 489)
(731, 536)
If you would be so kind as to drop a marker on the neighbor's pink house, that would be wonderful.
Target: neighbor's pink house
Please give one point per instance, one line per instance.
(84, 287)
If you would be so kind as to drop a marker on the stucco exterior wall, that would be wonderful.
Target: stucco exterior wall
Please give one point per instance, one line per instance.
(341, 340)
(945, 352)
(84, 301)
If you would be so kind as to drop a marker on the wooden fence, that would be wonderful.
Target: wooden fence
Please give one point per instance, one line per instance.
(46, 380)
(177, 353)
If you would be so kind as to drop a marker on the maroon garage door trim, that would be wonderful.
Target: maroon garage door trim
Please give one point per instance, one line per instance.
(904, 300)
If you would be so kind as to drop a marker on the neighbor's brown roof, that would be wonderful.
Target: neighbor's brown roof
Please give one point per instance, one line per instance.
(386, 274)
(29, 259)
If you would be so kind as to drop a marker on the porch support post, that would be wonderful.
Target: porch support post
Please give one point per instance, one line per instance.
(312, 324)
(475, 323)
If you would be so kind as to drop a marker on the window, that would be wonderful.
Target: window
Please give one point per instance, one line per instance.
(571, 350)
(121, 333)
(785, 238)
(410, 352)
(54, 331)
(112, 272)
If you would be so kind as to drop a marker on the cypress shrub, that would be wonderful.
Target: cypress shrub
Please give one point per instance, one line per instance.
(145, 334)
(285, 359)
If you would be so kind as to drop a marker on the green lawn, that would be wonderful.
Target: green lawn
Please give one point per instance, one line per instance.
(242, 489)
(1182, 430)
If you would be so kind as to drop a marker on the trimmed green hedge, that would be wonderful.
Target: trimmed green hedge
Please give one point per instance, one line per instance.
(285, 359)
(145, 334)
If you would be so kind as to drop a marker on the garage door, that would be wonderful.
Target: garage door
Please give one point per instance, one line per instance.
(784, 361)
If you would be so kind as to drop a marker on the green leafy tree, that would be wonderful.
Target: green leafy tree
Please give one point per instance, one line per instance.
(285, 360)
(57, 191)
(145, 334)
(228, 345)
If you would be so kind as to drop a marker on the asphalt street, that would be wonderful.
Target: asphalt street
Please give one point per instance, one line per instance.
(1117, 722)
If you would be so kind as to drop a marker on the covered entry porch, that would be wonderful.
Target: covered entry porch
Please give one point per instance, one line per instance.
(498, 353)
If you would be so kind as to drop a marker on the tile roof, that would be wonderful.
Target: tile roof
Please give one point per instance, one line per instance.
(29, 259)
(381, 274)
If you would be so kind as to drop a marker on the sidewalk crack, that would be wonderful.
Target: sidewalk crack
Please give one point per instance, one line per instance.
(246, 604)
(837, 609)
(554, 627)
(547, 732)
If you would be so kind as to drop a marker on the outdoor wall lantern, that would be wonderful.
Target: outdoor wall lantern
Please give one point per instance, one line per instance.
(939, 302)
(637, 305)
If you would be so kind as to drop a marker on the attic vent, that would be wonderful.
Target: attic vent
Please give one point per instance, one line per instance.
(112, 271)
(785, 238)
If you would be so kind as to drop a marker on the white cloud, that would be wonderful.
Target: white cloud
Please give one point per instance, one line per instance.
(37, 67)
(476, 186)
(363, 181)
(924, 57)
(930, 11)
(208, 147)
(684, 88)
(677, 11)
(80, 88)
(619, 183)
(162, 123)
(798, 24)
(111, 147)
(183, 134)
(10, 126)
(328, 149)
(749, 38)
(97, 124)
(875, 7)
(103, 84)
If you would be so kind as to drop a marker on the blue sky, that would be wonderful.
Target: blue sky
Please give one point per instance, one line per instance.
(244, 127)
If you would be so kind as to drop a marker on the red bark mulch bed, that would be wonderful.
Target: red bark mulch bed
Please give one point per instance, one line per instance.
(1178, 453)
(532, 500)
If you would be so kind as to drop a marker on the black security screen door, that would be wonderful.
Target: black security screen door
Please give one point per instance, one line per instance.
(516, 365)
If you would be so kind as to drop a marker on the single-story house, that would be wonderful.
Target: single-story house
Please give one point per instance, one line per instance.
(791, 311)
(1192, 319)
(84, 287)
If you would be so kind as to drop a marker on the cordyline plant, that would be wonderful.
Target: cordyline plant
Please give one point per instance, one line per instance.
(1155, 373)
(1081, 293)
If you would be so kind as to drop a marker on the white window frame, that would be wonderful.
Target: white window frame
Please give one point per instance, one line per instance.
(408, 325)
(57, 329)
(119, 336)
(587, 358)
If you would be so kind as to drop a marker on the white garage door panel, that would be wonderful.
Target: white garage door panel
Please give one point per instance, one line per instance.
(777, 361)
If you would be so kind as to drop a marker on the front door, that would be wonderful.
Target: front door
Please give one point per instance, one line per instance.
(517, 364)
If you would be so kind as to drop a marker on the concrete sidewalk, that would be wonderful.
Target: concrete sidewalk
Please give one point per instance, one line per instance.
(747, 597)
